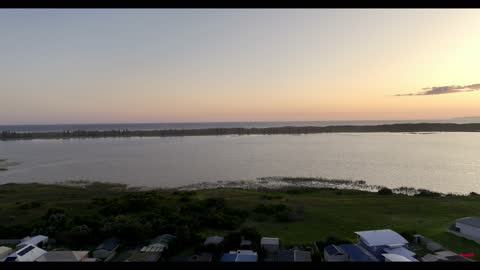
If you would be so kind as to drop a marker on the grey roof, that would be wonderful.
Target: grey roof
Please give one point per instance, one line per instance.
(270, 241)
(109, 244)
(302, 256)
(246, 258)
(333, 250)
(472, 221)
(62, 256)
(143, 257)
(213, 240)
(382, 238)
(246, 243)
(163, 239)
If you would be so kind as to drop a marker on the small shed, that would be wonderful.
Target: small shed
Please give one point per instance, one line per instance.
(333, 253)
(270, 244)
(107, 249)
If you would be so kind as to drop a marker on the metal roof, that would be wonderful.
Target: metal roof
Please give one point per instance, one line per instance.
(246, 258)
(213, 240)
(333, 250)
(472, 221)
(270, 241)
(356, 254)
(227, 257)
(302, 256)
(382, 238)
(109, 244)
(37, 239)
(62, 256)
(395, 258)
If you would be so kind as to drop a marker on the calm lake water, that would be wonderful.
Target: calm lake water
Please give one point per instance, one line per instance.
(445, 162)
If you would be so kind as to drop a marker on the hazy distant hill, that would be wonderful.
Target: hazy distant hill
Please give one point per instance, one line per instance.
(462, 120)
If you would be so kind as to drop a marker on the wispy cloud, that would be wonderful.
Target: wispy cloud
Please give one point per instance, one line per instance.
(440, 90)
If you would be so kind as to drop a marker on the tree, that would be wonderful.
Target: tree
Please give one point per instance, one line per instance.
(385, 191)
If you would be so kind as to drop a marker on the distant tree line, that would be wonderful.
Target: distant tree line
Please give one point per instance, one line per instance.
(421, 127)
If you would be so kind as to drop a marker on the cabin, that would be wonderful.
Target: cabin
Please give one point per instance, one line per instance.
(270, 244)
(107, 249)
(63, 256)
(29, 253)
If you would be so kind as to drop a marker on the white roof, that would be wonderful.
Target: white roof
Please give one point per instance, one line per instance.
(213, 240)
(385, 237)
(27, 254)
(395, 258)
(37, 239)
(402, 252)
(244, 252)
(269, 241)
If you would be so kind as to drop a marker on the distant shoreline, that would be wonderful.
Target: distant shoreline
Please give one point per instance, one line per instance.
(396, 128)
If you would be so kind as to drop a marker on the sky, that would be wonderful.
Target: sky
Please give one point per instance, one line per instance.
(126, 66)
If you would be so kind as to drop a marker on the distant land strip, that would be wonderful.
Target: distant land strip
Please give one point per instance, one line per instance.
(420, 127)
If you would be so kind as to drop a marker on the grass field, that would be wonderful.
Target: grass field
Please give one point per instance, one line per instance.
(326, 212)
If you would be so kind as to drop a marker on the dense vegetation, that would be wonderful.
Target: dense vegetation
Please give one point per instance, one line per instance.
(421, 127)
(85, 216)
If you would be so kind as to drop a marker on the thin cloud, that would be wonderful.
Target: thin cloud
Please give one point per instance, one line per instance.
(440, 90)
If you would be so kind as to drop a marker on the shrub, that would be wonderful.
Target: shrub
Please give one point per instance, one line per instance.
(385, 191)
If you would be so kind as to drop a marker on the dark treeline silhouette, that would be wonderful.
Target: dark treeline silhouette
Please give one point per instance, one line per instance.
(421, 127)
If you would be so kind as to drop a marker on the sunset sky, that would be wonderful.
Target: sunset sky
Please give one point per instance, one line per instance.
(102, 66)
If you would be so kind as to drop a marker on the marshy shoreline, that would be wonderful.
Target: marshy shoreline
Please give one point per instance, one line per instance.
(420, 128)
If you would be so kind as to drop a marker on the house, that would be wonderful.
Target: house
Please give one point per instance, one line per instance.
(333, 253)
(291, 256)
(240, 256)
(107, 249)
(378, 242)
(395, 258)
(37, 240)
(144, 257)
(4, 251)
(204, 257)
(270, 244)
(29, 253)
(356, 253)
(467, 227)
(215, 240)
(63, 256)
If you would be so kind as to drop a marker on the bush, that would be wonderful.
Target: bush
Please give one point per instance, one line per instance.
(283, 216)
(385, 191)
(427, 193)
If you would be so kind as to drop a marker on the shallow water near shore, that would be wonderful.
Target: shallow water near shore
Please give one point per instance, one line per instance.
(444, 162)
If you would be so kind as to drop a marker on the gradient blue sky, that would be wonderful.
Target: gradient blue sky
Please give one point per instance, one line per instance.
(98, 66)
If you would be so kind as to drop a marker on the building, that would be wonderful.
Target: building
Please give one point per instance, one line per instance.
(63, 256)
(270, 244)
(333, 253)
(395, 258)
(29, 253)
(159, 243)
(107, 249)
(215, 240)
(378, 242)
(240, 256)
(356, 253)
(38, 240)
(302, 256)
(204, 257)
(4, 252)
(144, 257)
(468, 227)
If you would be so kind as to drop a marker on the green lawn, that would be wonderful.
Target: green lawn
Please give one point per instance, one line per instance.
(326, 212)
